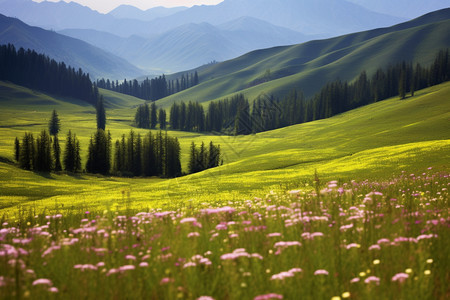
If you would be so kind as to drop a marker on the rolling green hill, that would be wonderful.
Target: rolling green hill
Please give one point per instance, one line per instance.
(375, 141)
(311, 65)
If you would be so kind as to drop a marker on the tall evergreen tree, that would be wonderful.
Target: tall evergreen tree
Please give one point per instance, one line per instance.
(56, 154)
(17, 149)
(54, 125)
(43, 156)
(153, 116)
(101, 114)
(27, 150)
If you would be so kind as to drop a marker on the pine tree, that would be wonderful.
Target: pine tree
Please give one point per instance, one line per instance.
(193, 166)
(402, 85)
(101, 114)
(17, 149)
(162, 119)
(153, 116)
(56, 154)
(26, 156)
(72, 158)
(54, 125)
(43, 154)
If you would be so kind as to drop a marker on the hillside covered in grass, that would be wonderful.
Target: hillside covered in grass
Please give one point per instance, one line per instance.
(309, 66)
(370, 142)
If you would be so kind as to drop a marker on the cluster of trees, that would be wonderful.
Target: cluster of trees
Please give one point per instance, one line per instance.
(234, 116)
(151, 155)
(37, 71)
(190, 117)
(151, 89)
(203, 158)
(148, 117)
(43, 154)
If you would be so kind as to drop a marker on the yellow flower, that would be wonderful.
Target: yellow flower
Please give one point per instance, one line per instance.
(429, 261)
(408, 271)
(336, 298)
(346, 295)
(376, 262)
(362, 274)
(427, 272)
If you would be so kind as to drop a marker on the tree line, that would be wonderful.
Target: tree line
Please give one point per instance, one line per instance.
(37, 71)
(152, 155)
(234, 116)
(151, 89)
(203, 158)
(155, 154)
(148, 117)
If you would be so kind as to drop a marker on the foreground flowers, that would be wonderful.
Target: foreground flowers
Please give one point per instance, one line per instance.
(369, 238)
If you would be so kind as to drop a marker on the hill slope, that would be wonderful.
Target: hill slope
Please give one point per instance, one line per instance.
(375, 141)
(76, 53)
(311, 65)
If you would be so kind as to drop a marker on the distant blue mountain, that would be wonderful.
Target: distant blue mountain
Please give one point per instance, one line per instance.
(192, 45)
(131, 12)
(74, 52)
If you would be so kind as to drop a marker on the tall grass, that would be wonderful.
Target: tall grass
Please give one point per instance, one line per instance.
(357, 239)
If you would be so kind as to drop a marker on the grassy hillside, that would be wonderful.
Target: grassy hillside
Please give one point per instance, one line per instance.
(375, 141)
(311, 65)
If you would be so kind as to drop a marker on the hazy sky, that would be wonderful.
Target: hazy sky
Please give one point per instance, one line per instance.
(105, 6)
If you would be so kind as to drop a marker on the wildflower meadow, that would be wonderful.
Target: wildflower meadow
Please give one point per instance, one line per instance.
(338, 240)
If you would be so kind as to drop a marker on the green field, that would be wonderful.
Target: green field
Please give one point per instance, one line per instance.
(374, 142)
(308, 66)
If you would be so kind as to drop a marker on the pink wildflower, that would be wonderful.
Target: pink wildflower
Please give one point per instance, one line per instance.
(321, 272)
(355, 280)
(143, 264)
(188, 220)
(374, 279)
(43, 281)
(401, 277)
(166, 280)
(268, 296)
(205, 298)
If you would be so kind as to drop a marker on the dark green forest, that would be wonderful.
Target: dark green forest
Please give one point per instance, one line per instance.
(37, 71)
(151, 89)
(267, 112)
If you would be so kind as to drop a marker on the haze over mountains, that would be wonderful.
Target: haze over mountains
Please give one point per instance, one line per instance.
(165, 40)
(73, 52)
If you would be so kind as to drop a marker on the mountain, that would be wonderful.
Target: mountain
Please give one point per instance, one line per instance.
(131, 12)
(62, 15)
(192, 45)
(309, 66)
(403, 8)
(76, 53)
(319, 17)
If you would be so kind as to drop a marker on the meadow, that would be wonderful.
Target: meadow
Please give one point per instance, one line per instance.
(356, 239)
(355, 206)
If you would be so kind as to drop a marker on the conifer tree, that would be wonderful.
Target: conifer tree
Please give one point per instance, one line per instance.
(153, 116)
(17, 149)
(56, 154)
(162, 119)
(101, 114)
(54, 125)
(43, 154)
(26, 156)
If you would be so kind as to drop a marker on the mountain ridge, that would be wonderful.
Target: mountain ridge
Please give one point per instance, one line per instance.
(74, 52)
(311, 65)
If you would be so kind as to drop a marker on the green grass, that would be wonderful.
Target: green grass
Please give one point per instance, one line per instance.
(375, 141)
(308, 66)
(352, 241)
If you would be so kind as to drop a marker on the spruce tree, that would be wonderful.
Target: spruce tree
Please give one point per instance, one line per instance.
(43, 155)
(101, 114)
(17, 149)
(56, 154)
(26, 156)
(54, 125)
(153, 116)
